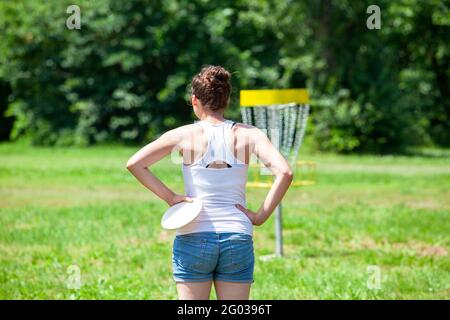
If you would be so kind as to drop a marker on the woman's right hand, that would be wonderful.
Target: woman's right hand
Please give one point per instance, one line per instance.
(177, 198)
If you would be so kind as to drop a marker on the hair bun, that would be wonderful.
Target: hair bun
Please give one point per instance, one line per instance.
(212, 87)
(221, 76)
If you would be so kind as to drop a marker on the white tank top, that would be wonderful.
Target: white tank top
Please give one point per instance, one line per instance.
(219, 189)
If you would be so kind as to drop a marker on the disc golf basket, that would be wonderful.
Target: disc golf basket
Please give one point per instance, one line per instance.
(282, 115)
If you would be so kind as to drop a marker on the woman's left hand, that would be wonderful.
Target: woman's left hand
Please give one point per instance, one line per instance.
(177, 198)
(253, 216)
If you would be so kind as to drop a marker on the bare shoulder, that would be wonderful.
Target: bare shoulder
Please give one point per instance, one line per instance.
(184, 136)
(243, 127)
(247, 130)
(184, 131)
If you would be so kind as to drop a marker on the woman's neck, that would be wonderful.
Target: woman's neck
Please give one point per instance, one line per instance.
(214, 118)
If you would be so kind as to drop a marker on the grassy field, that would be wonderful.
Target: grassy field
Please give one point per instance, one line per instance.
(68, 206)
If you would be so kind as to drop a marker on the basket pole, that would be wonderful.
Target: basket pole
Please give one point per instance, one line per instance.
(278, 231)
(276, 137)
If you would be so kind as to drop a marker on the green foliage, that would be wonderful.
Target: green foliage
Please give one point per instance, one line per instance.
(375, 90)
(123, 76)
(5, 122)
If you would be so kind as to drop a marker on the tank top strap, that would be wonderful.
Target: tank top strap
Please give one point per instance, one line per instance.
(206, 129)
(217, 141)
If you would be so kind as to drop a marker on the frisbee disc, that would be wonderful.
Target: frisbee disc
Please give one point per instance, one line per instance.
(181, 214)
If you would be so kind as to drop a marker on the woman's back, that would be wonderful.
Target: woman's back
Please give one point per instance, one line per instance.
(194, 140)
(215, 171)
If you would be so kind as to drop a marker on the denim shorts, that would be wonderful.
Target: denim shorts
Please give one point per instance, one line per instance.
(205, 256)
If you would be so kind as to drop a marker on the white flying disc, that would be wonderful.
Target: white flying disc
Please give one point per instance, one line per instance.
(181, 214)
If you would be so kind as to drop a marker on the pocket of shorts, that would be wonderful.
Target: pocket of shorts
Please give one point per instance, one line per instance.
(189, 252)
(242, 252)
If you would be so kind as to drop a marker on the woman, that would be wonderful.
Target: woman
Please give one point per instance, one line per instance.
(218, 245)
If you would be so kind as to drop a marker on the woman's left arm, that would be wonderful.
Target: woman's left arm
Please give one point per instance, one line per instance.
(140, 162)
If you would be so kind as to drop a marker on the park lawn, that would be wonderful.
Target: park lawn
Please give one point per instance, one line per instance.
(61, 207)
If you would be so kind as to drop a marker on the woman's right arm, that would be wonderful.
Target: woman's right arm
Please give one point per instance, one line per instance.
(273, 160)
(153, 152)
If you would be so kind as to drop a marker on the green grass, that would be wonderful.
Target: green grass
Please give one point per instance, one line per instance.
(80, 206)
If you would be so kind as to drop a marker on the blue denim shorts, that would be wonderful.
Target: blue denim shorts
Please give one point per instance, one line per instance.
(205, 256)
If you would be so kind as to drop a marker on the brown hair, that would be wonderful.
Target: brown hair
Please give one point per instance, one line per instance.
(212, 87)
